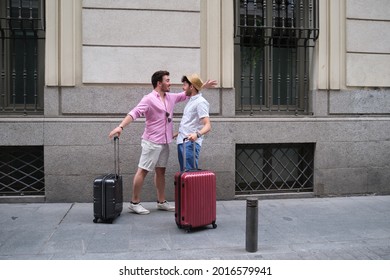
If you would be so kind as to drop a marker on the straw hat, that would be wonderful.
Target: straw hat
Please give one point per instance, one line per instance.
(195, 80)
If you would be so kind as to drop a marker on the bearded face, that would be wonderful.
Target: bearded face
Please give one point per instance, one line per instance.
(166, 84)
(187, 88)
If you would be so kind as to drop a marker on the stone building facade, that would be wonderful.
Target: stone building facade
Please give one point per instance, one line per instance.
(99, 57)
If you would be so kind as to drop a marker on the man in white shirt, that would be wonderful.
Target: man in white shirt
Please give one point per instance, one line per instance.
(194, 124)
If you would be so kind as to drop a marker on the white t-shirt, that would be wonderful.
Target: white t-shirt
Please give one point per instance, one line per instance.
(196, 109)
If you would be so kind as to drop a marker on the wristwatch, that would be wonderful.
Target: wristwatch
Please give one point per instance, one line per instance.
(198, 134)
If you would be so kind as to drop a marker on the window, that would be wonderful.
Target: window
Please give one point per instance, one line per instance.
(21, 171)
(272, 168)
(21, 56)
(273, 43)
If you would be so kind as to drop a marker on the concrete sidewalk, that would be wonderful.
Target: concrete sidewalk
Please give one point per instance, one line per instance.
(338, 228)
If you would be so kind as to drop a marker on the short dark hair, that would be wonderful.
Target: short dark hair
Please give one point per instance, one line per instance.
(158, 77)
(185, 79)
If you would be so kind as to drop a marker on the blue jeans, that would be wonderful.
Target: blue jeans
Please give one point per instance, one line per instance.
(189, 155)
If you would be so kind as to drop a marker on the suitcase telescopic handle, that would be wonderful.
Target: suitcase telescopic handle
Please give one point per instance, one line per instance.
(185, 139)
(116, 155)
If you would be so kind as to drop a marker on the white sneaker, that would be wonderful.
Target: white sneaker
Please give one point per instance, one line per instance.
(165, 206)
(138, 208)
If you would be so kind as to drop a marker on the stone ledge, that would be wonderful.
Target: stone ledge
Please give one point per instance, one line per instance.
(23, 199)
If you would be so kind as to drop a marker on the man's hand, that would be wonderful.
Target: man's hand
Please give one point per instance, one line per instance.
(210, 84)
(192, 137)
(116, 130)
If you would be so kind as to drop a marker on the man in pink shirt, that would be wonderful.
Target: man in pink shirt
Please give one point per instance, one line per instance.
(157, 108)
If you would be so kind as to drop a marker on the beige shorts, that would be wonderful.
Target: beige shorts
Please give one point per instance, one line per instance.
(153, 155)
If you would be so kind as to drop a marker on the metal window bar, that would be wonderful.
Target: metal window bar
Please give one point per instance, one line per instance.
(22, 34)
(273, 49)
(274, 168)
(21, 171)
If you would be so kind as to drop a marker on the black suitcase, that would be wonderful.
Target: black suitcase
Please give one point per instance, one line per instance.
(108, 193)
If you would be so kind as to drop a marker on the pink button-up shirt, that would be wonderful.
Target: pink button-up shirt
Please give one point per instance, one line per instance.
(157, 127)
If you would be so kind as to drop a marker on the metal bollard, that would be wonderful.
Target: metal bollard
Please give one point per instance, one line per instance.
(251, 224)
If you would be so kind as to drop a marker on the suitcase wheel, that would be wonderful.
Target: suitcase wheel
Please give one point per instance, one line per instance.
(214, 225)
(107, 221)
(104, 221)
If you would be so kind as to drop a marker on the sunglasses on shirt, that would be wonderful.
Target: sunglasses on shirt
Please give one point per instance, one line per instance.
(167, 115)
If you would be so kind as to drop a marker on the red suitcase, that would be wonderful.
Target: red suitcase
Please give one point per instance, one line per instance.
(195, 198)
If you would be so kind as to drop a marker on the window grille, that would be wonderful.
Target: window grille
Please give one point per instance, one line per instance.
(21, 171)
(274, 168)
(22, 35)
(273, 46)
